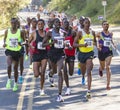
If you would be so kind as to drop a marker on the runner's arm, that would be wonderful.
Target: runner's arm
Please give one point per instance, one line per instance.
(75, 43)
(113, 41)
(46, 40)
(4, 39)
(95, 41)
(98, 37)
(31, 38)
(23, 35)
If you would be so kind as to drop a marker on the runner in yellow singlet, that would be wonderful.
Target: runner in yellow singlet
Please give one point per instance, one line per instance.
(85, 41)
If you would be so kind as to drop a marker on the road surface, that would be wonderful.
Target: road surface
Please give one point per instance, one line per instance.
(28, 98)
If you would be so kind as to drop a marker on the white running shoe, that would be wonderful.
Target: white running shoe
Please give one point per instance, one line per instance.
(60, 98)
(88, 95)
(68, 91)
(42, 93)
(51, 80)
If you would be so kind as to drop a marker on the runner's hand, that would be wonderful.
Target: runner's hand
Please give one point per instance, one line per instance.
(26, 57)
(4, 45)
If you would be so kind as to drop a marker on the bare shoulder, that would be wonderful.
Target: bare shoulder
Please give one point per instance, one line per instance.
(49, 34)
(79, 32)
(33, 36)
(98, 34)
(78, 35)
(111, 33)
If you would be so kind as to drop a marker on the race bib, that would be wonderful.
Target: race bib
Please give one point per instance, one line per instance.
(67, 44)
(59, 43)
(89, 42)
(13, 42)
(107, 42)
(39, 46)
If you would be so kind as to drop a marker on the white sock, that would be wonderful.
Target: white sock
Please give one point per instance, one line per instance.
(42, 90)
(9, 79)
(15, 83)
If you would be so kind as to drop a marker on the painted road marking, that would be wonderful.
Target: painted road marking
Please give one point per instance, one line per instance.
(22, 92)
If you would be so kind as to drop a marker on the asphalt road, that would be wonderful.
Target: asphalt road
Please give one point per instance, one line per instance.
(28, 98)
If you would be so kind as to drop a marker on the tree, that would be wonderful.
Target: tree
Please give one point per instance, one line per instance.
(9, 8)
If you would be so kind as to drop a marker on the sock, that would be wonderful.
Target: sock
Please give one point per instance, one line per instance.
(15, 83)
(9, 79)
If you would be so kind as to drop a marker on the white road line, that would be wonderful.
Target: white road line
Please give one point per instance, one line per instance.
(22, 93)
(30, 98)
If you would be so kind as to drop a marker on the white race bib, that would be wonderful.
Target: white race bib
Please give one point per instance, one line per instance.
(60, 42)
(67, 44)
(89, 42)
(107, 42)
(39, 46)
(13, 42)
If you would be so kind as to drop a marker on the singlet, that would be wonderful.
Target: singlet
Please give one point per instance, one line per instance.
(86, 38)
(60, 40)
(105, 40)
(38, 41)
(79, 28)
(56, 49)
(12, 40)
(69, 41)
(31, 31)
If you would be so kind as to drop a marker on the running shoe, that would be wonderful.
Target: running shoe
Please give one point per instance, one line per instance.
(79, 71)
(42, 93)
(31, 66)
(8, 84)
(68, 91)
(88, 95)
(15, 87)
(83, 80)
(51, 80)
(100, 73)
(26, 57)
(20, 79)
(60, 98)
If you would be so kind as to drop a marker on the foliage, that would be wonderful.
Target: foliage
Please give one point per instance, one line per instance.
(45, 2)
(91, 8)
(9, 8)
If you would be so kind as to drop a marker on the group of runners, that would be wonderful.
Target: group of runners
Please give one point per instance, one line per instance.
(57, 46)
